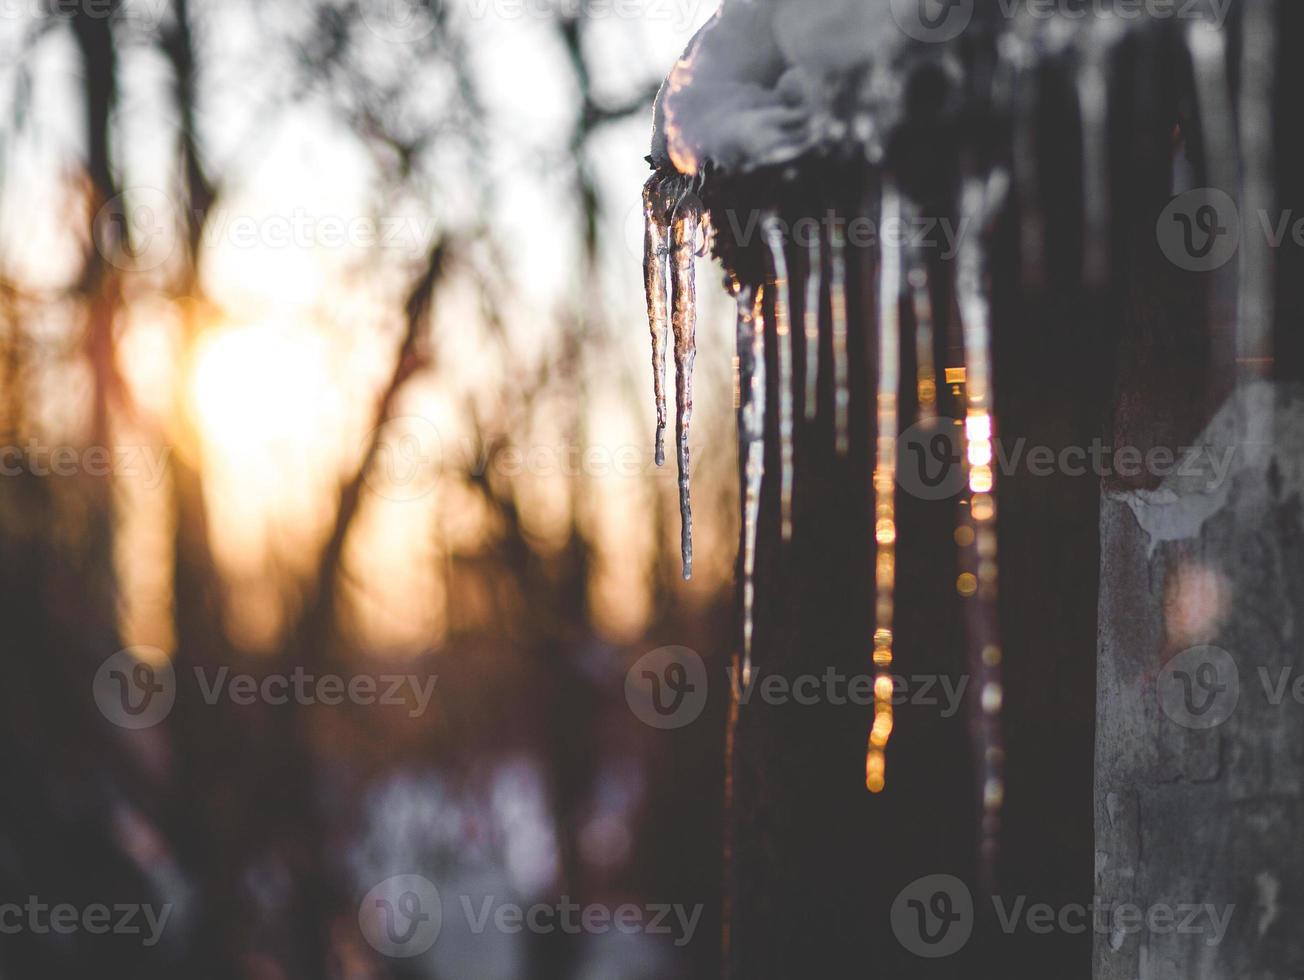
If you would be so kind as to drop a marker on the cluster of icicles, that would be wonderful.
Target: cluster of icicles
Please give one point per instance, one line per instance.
(678, 231)
(676, 234)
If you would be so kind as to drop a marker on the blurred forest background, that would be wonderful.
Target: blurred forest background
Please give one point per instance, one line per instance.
(322, 345)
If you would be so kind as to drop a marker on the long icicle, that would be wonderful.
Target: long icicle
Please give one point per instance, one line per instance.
(921, 303)
(1093, 107)
(811, 315)
(885, 532)
(753, 416)
(655, 248)
(744, 298)
(783, 331)
(684, 324)
(838, 302)
(1207, 45)
(1258, 268)
(977, 534)
(1026, 101)
(1208, 48)
(1255, 344)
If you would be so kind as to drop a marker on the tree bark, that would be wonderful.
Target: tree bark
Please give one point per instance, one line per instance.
(1200, 778)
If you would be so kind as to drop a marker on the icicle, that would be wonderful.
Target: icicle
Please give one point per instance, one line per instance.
(1093, 106)
(783, 330)
(977, 533)
(655, 247)
(889, 384)
(684, 324)
(742, 370)
(1208, 48)
(1020, 61)
(814, 289)
(838, 301)
(751, 316)
(922, 307)
(1258, 265)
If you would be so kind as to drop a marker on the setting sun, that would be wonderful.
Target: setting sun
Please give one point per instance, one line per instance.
(258, 389)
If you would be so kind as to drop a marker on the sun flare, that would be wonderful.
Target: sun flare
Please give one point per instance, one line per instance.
(258, 390)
